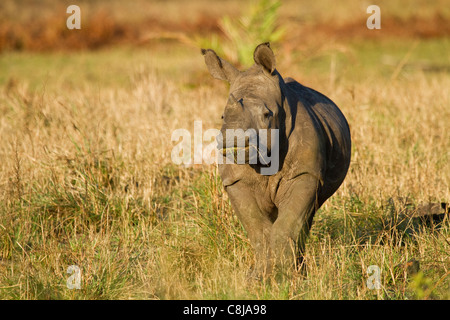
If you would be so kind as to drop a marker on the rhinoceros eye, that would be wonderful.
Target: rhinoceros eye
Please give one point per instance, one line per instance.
(267, 113)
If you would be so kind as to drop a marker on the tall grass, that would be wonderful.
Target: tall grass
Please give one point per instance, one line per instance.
(86, 179)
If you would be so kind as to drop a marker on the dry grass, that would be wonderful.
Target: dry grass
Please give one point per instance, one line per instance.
(86, 178)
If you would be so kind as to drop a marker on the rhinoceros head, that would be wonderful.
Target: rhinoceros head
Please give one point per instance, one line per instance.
(252, 110)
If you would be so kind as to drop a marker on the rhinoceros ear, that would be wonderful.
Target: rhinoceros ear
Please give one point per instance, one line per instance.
(264, 57)
(219, 68)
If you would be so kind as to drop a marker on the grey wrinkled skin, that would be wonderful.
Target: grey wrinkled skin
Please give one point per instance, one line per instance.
(314, 151)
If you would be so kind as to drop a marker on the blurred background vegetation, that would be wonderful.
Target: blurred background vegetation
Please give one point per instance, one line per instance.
(41, 25)
(307, 37)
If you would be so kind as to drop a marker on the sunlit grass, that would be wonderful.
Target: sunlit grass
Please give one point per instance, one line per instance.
(86, 179)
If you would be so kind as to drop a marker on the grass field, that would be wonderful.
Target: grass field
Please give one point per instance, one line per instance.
(86, 176)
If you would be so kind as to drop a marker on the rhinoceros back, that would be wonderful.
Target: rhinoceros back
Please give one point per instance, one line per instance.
(336, 132)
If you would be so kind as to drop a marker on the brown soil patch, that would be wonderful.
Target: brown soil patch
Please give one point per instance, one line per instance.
(391, 27)
(101, 29)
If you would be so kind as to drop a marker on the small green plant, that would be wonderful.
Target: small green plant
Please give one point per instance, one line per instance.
(243, 34)
(421, 286)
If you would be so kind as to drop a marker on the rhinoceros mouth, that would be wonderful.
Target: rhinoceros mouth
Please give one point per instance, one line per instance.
(233, 152)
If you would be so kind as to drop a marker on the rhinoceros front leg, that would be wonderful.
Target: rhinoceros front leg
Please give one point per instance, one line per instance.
(256, 222)
(295, 214)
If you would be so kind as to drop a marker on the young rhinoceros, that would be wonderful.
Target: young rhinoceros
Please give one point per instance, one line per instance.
(313, 155)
